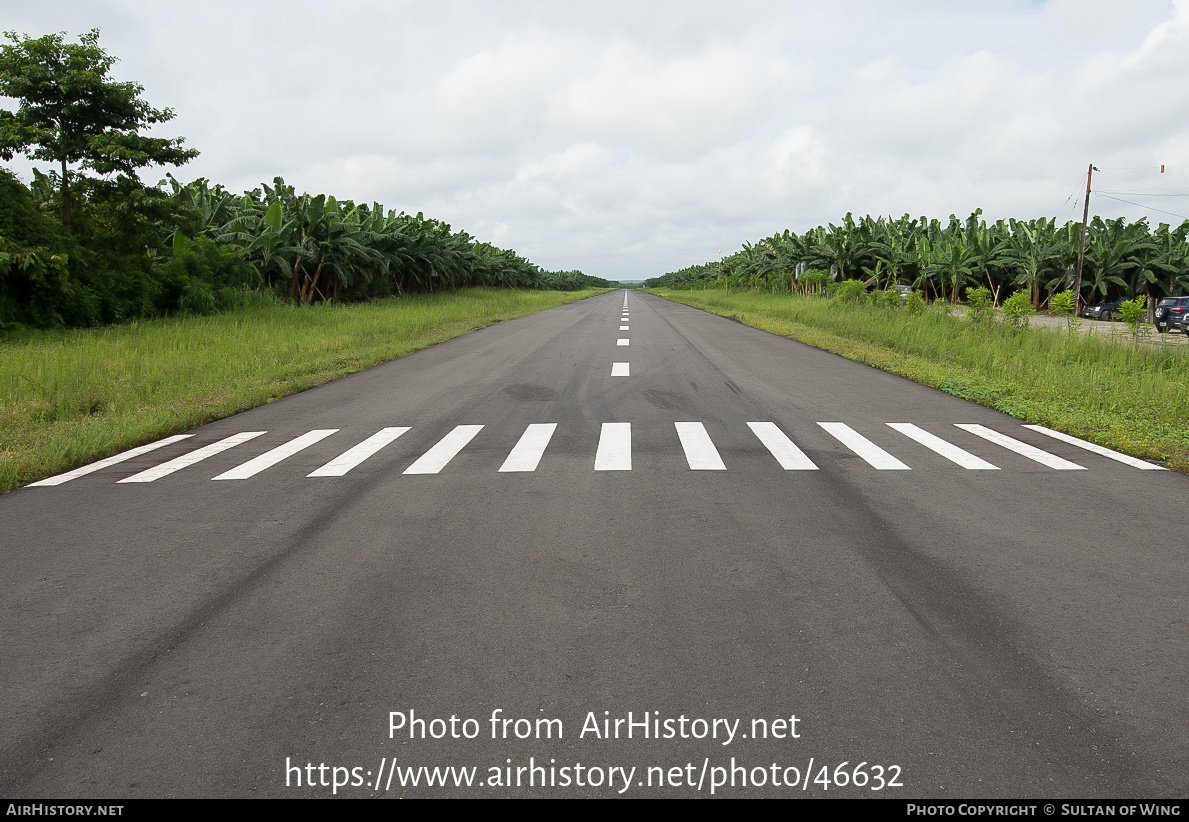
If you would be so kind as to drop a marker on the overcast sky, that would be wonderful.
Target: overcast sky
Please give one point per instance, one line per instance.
(628, 139)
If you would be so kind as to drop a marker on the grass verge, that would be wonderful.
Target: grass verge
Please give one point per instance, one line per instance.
(69, 398)
(1131, 398)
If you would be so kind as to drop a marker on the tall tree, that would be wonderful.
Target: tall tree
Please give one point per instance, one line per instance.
(73, 114)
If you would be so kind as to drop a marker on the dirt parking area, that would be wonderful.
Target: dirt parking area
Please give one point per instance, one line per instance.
(1113, 330)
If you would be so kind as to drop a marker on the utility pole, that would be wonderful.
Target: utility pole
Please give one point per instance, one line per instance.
(1077, 288)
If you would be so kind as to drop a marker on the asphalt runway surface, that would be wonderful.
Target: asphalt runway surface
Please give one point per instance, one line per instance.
(620, 547)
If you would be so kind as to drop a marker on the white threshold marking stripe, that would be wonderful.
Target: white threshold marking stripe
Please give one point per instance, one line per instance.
(436, 458)
(196, 456)
(790, 457)
(700, 452)
(347, 460)
(1022, 448)
(948, 450)
(621, 341)
(527, 452)
(1097, 449)
(875, 456)
(620, 369)
(615, 447)
(103, 463)
(270, 458)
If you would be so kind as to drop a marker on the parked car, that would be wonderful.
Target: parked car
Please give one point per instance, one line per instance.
(1170, 313)
(905, 291)
(1105, 311)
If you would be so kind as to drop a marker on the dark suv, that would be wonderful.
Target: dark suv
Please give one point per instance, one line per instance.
(1170, 314)
(1103, 311)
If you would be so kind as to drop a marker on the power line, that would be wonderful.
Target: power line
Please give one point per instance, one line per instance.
(1147, 193)
(1128, 179)
(1138, 168)
(1140, 205)
(1061, 210)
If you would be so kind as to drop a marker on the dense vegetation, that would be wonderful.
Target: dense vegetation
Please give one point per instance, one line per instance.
(88, 243)
(943, 261)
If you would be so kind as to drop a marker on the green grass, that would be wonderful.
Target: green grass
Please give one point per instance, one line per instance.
(68, 398)
(1133, 398)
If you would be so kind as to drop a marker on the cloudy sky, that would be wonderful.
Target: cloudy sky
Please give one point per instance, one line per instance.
(628, 139)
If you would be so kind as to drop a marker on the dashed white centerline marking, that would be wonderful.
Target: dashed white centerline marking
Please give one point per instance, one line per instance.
(436, 458)
(196, 456)
(951, 452)
(103, 463)
(875, 456)
(1022, 448)
(621, 341)
(620, 369)
(615, 447)
(270, 458)
(700, 452)
(624, 328)
(343, 463)
(790, 457)
(1097, 449)
(527, 452)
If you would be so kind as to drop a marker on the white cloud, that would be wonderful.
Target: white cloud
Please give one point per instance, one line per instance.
(632, 138)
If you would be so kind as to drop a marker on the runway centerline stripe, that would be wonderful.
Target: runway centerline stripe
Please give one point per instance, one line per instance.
(1097, 449)
(875, 456)
(790, 457)
(436, 458)
(347, 460)
(1022, 448)
(621, 341)
(104, 463)
(270, 458)
(620, 369)
(196, 456)
(527, 452)
(624, 328)
(700, 452)
(615, 447)
(948, 450)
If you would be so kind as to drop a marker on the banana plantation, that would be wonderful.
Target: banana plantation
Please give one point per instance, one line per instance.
(140, 251)
(313, 248)
(942, 261)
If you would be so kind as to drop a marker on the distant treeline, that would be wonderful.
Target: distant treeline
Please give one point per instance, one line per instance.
(942, 261)
(136, 251)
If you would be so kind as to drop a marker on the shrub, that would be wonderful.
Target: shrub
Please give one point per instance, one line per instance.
(1017, 309)
(980, 304)
(1063, 304)
(197, 298)
(233, 299)
(851, 291)
(889, 299)
(1133, 312)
